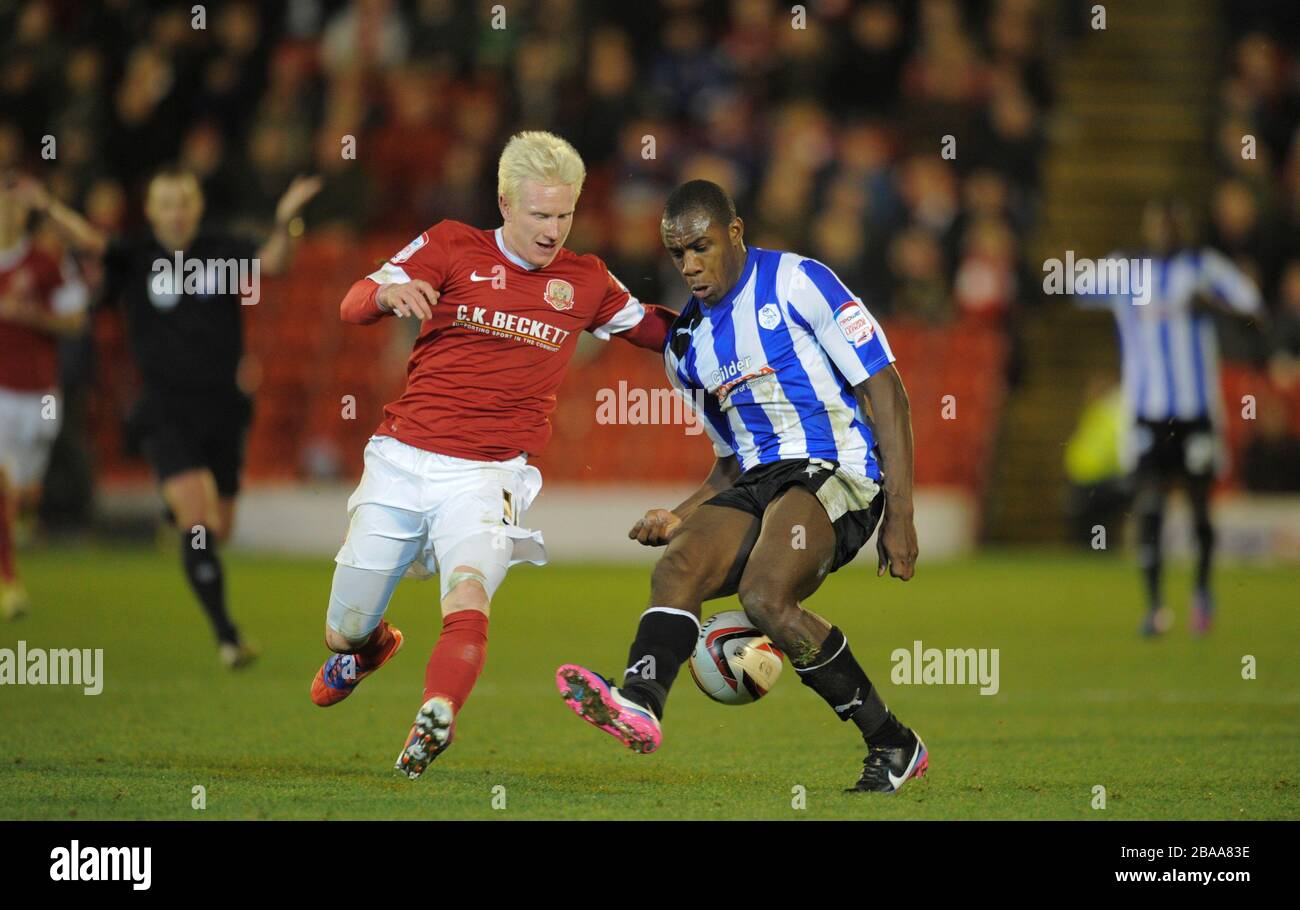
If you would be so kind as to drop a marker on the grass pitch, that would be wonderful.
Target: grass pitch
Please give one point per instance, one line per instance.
(1170, 728)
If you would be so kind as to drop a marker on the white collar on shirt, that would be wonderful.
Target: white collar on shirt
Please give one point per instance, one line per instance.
(501, 245)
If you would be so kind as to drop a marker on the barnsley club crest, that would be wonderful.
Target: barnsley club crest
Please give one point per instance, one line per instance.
(559, 294)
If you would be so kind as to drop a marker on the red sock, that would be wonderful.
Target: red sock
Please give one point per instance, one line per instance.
(458, 657)
(8, 573)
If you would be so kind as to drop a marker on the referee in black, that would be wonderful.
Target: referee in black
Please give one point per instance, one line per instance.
(186, 336)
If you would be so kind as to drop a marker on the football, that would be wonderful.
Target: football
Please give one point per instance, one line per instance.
(734, 663)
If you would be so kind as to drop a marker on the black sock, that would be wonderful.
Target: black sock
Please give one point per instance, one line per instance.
(203, 569)
(1204, 554)
(1149, 554)
(835, 675)
(664, 640)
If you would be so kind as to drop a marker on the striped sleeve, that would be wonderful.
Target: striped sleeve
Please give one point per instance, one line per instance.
(698, 408)
(842, 324)
(1228, 283)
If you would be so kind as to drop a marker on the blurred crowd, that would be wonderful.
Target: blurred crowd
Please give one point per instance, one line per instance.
(826, 125)
(1255, 206)
(1255, 216)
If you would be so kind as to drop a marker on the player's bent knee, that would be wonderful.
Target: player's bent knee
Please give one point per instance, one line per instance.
(466, 590)
(766, 609)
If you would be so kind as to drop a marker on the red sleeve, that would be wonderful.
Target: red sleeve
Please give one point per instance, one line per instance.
(426, 257)
(652, 331)
(360, 306)
(618, 312)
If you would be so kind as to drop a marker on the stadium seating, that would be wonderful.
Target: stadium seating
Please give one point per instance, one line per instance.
(1239, 381)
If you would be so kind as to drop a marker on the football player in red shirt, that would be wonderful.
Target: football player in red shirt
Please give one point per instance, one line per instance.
(447, 481)
(39, 302)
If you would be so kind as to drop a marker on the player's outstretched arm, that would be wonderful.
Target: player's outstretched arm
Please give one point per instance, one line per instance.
(659, 525)
(883, 398)
(83, 236)
(651, 332)
(275, 252)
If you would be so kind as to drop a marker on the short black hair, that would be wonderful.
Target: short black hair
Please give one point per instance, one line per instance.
(701, 196)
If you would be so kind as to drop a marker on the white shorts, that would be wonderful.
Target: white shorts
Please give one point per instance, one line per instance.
(26, 435)
(412, 507)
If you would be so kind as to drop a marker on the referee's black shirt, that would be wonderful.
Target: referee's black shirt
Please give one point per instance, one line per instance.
(191, 342)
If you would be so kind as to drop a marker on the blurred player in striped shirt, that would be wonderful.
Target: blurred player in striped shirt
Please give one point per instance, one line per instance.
(1170, 366)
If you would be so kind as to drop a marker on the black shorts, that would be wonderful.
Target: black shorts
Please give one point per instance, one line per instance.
(853, 504)
(1175, 449)
(179, 432)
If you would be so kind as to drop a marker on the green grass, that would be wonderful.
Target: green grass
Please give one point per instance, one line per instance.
(1170, 728)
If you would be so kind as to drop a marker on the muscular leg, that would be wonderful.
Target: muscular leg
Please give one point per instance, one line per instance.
(704, 560)
(778, 577)
(197, 511)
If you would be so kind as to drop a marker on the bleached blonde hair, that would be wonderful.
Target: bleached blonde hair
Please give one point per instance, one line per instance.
(540, 156)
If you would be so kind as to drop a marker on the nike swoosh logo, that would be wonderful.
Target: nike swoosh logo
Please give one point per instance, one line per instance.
(475, 276)
(897, 782)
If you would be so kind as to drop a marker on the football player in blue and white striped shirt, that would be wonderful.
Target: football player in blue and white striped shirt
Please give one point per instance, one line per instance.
(812, 434)
(1170, 360)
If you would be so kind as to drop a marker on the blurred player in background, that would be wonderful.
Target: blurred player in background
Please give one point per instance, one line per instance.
(187, 342)
(812, 432)
(1170, 367)
(447, 481)
(40, 301)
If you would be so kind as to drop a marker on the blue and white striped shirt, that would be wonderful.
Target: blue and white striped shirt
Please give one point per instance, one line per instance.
(776, 361)
(1170, 353)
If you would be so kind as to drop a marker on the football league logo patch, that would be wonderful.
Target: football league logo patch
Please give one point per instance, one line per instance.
(854, 323)
(408, 251)
(559, 294)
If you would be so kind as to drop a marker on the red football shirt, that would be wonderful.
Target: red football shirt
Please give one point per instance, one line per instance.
(483, 374)
(29, 360)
